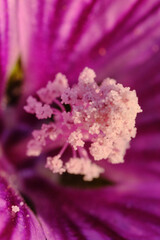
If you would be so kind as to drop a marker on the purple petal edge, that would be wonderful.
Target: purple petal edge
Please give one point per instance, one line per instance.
(17, 221)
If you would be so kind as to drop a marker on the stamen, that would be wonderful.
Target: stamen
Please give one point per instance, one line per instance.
(55, 164)
(41, 111)
(53, 89)
(84, 167)
(75, 139)
(99, 125)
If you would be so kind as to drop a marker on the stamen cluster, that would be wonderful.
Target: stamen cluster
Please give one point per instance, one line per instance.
(99, 124)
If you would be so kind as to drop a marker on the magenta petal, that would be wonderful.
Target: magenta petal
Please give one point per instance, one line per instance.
(17, 221)
(132, 45)
(59, 35)
(127, 211)
(114, 38)
(8, 39)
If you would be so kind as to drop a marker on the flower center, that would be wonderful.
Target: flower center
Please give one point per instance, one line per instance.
(99, 124)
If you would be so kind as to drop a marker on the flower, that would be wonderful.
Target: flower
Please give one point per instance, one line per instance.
(117, 40)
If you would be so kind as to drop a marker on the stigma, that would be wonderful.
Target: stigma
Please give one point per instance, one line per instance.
(91, 122)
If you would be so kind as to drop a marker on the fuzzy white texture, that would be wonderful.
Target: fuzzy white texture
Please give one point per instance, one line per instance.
(102, 116)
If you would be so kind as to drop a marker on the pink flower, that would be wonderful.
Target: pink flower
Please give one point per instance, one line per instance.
(45, 47)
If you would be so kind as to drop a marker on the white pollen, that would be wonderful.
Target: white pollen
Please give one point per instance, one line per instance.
(15, 209)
